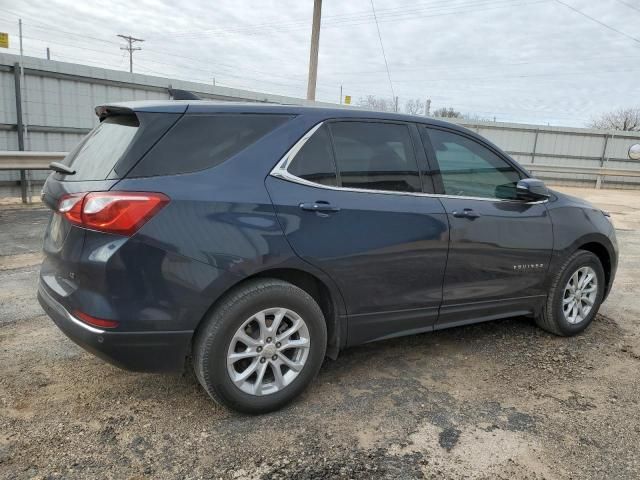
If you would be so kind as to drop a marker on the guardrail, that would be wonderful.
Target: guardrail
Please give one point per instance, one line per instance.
(29, 160)
(598, 171)
(24, 161)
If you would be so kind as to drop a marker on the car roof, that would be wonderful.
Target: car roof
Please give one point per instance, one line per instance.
(207, 106)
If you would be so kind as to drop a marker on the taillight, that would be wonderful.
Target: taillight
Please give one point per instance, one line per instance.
(95, 322)
(122, 213)
(71, 207)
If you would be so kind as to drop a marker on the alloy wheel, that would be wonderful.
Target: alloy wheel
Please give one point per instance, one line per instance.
(580, 295)
(268, 351)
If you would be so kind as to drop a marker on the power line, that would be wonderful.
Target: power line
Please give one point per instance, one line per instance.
(208, 72)
(598, 21)
(360, 19)
(297, 84)
(384, 55)
(448, 67)
(130, 48)
(629, 5)
(164, 53)
(294, 23)
(46, 27)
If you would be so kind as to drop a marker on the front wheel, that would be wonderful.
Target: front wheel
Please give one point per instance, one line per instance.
(261, 346)
(576, 294)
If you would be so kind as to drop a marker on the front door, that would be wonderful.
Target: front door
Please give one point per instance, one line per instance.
(367, 224)
(500, 247)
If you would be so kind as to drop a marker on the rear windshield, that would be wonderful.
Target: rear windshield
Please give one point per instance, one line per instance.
(197, 142)
(100, 150)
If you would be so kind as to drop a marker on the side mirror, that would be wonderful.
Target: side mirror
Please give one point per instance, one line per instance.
(531, 189)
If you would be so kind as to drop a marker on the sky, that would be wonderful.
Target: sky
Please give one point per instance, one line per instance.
(558, 62)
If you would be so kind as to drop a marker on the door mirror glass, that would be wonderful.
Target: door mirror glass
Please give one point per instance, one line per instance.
(634, 152)
(531, 189)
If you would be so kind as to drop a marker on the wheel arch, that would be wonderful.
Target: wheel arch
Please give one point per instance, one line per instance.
(328, 298)
(603, 254)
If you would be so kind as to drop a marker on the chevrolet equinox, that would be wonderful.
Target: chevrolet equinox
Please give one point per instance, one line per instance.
(257, 239)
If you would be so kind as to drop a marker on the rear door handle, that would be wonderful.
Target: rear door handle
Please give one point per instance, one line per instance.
(319, 206)
(465, 213)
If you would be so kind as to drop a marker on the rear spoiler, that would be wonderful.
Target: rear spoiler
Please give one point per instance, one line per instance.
(104, 111)
(130, 108)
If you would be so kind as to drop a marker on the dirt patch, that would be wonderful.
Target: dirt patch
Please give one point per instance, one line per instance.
(501, 400)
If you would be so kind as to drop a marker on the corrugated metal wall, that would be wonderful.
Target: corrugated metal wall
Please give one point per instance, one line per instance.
(533, 145)
(58, 102)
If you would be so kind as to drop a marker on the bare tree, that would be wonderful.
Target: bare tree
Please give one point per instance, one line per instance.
(626, 119)
(474, 117)
(376, 103)
(445, 112)
(414, 106)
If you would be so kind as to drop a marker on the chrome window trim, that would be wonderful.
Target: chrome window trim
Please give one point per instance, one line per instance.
(281, 171)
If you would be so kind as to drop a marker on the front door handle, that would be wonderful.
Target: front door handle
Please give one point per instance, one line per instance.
(465, 213)
(319, 206)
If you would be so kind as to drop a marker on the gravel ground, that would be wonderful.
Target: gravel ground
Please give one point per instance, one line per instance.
(501, 400)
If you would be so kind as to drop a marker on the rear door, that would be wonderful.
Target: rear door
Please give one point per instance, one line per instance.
(499, 246)
(351, 203)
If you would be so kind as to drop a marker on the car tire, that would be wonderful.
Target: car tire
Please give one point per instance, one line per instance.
(562, 314)
(241, 324)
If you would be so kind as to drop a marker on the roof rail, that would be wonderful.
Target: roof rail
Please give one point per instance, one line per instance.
(177, 94)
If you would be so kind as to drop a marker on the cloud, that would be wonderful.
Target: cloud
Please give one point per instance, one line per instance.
(533, 61)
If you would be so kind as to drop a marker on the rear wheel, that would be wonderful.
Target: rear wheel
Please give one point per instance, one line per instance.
(576, 294)
(261, 346)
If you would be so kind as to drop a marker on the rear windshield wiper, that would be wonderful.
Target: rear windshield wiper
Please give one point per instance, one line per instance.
(61, 168)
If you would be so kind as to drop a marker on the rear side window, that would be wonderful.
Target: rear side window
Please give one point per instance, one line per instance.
(197, 142)
(314, 161)
(97, 154)
(375, 156)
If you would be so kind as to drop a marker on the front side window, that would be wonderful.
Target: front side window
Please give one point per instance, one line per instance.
(314, 161)
(470, 169)
(375, 156)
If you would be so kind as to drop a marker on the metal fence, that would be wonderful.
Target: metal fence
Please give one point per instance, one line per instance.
(49, 108)
(578, 152)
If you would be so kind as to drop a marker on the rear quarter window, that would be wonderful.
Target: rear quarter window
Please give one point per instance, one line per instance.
(198, 142)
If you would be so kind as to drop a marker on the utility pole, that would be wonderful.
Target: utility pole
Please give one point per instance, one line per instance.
(130, 48)
(25, 175)
(22, 82)
(340, 94)
(20, 35)
(395, 104)
(48, 54)
(313, 55)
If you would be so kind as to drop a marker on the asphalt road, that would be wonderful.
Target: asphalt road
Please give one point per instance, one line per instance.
(497, 400)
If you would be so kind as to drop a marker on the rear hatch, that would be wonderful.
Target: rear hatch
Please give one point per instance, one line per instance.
(96, 164)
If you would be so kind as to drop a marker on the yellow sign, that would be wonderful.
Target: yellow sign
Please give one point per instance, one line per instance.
(347, 99)
(4, 40)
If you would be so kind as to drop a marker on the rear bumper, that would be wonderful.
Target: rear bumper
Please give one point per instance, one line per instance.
(136, 351)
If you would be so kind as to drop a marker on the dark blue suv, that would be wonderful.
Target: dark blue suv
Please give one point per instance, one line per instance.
(258, 239)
